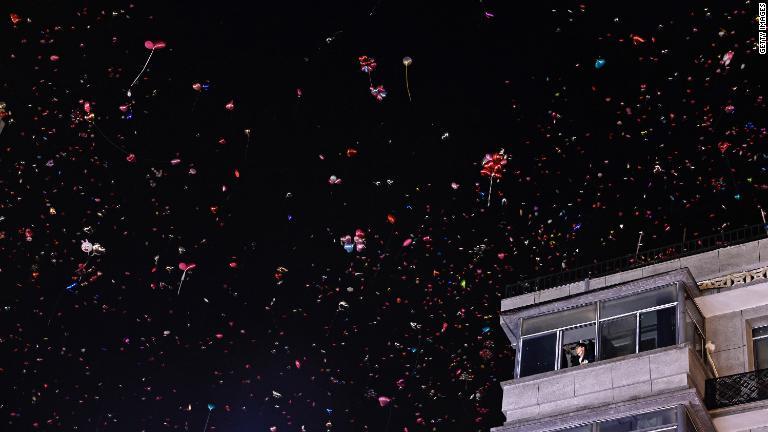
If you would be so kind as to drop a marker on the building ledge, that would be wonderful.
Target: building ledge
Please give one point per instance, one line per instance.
(627, 378)
(687, 397)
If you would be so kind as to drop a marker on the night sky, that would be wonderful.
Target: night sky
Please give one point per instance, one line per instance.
(612, 118)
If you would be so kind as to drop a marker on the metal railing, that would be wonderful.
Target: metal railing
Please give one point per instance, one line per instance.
(642, 259)
(736, 389)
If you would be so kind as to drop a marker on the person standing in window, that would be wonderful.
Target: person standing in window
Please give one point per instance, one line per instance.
(580, 355)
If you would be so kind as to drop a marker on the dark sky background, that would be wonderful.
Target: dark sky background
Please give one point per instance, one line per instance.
(277, 325)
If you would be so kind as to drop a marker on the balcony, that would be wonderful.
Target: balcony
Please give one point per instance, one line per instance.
(737, 389)
(632, 377)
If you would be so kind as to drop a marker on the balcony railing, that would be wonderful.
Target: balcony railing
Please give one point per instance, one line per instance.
(737, 389)
(644, 258)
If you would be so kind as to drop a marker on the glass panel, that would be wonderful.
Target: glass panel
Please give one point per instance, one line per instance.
(587, 428)
(690, 306)
(760, 332)
(618, 337)
(638, 302)
(651, 421)
(761, 354)
(658, 328)
(689, 423)
(538, 354)
(578, 346)
(693, 336)
(556, 320)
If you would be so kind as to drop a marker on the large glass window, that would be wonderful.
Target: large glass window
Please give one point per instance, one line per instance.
(627, 325)
(538, 354)
(638, 323)
(646, 300)
(694, 328)
(618, 337)
(558, 320)
(658, 328)
(559, 340)
(654, 421)
(760, 341)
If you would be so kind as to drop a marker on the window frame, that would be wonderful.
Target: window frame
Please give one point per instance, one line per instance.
(680, 324)
(637, 324)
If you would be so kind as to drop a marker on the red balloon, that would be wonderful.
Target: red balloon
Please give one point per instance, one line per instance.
(493, 165)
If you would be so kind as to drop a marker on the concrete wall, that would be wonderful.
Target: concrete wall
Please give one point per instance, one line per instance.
(703, 266)
(751, 420)
(611, 381)
(687, 398)
(730, 331)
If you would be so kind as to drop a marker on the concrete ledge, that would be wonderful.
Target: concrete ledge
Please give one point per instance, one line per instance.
(702, 266)
(616, 380)
(607, 409)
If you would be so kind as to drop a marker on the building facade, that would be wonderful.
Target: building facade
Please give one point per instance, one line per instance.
(677, 345)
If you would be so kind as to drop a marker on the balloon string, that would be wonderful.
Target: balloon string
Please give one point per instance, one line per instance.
(206, 421)
(489, 191)
(407, 86)
(181, 282)
(142, 69)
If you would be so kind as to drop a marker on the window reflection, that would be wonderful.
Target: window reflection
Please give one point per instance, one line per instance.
(655, 421)
(658, 329)
(618, 337)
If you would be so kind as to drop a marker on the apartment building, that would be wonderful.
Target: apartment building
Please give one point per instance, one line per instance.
(673, 339)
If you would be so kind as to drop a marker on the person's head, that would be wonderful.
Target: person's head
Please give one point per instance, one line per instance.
(581, 349)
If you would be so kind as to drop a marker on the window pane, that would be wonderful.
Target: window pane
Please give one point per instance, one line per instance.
(760, 331)
(761, 354)
(689, 423)
(693, 336)
(658, 328)
(538, 354)
(638, 302)
(617, 337)
(642, 422)
(587, 428)
(562, 319)
(691, 308)
(571, 355)
(696, 339)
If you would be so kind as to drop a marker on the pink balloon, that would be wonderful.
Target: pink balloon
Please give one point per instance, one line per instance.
(407, 242)
(149, 45)
(183, 266)
(384, 401)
